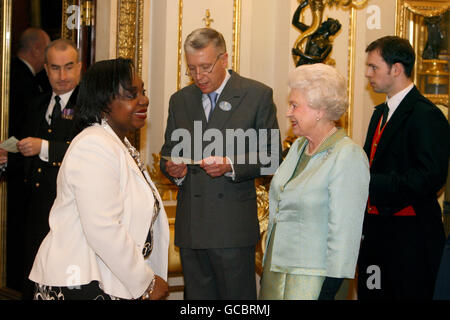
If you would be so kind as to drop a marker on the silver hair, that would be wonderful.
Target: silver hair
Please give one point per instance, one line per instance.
(323, 87)
(203, 37)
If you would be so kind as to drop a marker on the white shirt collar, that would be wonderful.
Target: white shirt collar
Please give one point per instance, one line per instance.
(64, 98)
(396, 99)
(63, 102)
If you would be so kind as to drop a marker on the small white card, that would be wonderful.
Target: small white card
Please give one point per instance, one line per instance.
(10, 145)
(179, 160)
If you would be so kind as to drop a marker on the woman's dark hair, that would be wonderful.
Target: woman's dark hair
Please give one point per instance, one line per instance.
(100, 85)
(394, 49)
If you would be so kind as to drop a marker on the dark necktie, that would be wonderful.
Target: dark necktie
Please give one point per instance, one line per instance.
(385, 114)
(212, 97)
(56, 113)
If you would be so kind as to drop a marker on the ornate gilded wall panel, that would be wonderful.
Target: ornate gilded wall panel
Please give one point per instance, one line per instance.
(130, 31)
(130, 24)
(414, 21)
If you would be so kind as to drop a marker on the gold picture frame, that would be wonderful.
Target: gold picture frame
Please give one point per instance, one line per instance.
(5, 52)
(410, 25)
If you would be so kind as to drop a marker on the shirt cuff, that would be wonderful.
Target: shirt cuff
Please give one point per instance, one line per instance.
(232, 174)
(44, 151)
(179, 181)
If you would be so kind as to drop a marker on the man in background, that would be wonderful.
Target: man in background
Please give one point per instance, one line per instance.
(28, 81)
(408, 145)
(44, 140)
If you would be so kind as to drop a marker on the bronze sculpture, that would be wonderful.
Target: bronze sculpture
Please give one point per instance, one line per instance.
(317, 36)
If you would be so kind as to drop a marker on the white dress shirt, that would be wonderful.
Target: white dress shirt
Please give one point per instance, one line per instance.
(396, 99)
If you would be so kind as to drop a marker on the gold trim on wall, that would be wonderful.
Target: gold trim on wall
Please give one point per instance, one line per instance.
(237, 5)
(130, 26)
(180, 42)
(130, 31)
(351, 70)
(5, 52)
(5, 18)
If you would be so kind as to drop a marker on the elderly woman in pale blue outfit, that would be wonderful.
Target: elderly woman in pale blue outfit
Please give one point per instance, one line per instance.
(317, 196)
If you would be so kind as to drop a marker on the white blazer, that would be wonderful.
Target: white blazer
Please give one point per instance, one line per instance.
(100, 220)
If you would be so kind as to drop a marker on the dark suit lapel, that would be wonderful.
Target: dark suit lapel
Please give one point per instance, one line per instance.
(392, 126)
(231, 96)
(195, 107)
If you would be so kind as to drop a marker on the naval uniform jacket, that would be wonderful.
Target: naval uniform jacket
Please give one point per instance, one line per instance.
(40, 176)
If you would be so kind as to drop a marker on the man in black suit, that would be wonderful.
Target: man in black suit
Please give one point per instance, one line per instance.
(26, 85)
(408, 144)
(44, 140)
(216, 224)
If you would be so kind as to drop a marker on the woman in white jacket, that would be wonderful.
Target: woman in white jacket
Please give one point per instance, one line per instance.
(109, 234)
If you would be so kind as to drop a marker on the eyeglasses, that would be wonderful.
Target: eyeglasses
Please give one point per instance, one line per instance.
(203, 70)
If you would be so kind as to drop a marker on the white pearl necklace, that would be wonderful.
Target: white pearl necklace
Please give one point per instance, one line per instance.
(329, 134)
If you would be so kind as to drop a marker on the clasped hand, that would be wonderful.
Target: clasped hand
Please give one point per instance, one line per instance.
(213, 166)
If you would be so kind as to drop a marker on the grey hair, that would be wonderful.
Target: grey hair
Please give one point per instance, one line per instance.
(203, 37)
(61, 45)
(323, 87)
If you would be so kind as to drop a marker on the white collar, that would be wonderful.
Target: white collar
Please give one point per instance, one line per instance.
(397, 98)
(64, 97)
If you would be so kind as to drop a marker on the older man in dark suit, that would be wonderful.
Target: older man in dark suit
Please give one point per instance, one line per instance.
(216, 222)
(27, 82)
(408, 144)
(44, 140)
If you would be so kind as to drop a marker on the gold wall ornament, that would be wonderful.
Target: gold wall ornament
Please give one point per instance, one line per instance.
(207, 19)
(262, 185)
(130, 31)
(427, 8)
(5, 52)
(430, 75)
(130, 23)
(317, 8)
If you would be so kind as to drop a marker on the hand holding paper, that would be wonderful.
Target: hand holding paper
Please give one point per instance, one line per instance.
(10, 145)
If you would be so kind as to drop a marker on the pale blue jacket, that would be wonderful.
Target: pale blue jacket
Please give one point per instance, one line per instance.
(319, 214)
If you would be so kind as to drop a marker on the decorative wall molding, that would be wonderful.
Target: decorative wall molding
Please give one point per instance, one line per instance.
(236, 26)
